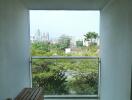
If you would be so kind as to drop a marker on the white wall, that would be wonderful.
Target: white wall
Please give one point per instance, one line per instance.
(116, 50)
(14, 48)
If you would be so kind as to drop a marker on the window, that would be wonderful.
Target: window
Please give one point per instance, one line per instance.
(65, 49)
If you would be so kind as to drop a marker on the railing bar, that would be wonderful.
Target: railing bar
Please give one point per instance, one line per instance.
(64, 57)
(71, 96)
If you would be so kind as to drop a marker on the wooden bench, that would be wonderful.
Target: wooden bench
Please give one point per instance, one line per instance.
(30, 94)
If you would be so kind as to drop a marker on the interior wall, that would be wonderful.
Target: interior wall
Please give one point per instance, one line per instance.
(116, 50)
(14, 48)
(65, 4)
(130, 32)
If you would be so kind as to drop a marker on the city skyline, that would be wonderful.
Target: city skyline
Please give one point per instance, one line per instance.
(71, 23)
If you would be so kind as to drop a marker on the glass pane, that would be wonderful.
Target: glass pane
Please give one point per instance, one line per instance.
(66, 76)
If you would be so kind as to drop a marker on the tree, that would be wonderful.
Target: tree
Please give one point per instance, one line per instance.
(79, 43)
(44, 46)
(91, 37)
(47, 74)
(64, 42)
(53, 74)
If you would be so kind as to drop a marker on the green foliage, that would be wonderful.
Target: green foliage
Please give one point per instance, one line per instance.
(91, 36)
(52, 76)
(79, 43)
(65, 76)
(64, 42)
(44, 46)
(84, 84)
(47, 75)
(40, 48)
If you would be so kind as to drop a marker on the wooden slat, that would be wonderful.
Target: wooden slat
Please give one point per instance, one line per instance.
(20, 94)
(27, 94)
(35, 94)
(30, 94)
(39, 95)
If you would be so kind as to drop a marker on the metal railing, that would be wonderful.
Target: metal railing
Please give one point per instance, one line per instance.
(91, 97)
(64, 57)
(73, 97)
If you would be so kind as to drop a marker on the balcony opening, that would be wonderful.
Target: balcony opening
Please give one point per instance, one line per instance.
(65, 53)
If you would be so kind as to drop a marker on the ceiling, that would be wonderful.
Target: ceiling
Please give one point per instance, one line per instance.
(65, 4)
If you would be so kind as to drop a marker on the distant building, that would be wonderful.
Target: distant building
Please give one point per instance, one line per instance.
(39, 37)
(53, 41)
(68, 50)
(87, 43)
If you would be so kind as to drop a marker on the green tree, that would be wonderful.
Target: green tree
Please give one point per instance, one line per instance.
(91, 37)
(48, 75)
(79, 43)
(64, 42)
(41, 46)
(51, 74)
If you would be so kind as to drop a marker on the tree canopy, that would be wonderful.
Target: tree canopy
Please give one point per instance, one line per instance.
(65, 76)
(91, 36)
(64, 42)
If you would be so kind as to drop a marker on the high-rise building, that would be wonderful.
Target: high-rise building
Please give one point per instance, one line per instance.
(39, 37)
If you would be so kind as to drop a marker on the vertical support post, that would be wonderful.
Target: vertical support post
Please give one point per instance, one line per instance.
(131, 84)
(99, 77)
(30, 71)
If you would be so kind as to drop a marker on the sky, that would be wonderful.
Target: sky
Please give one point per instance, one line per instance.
(59, 22)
